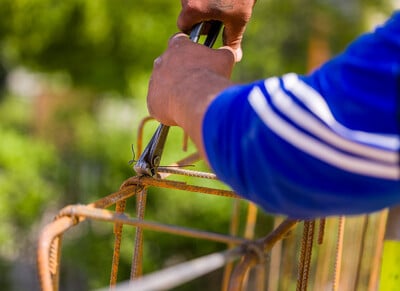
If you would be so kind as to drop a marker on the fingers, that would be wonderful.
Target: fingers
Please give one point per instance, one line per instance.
(226, 59)
(190, 15)
(232, 36)
(196, 55)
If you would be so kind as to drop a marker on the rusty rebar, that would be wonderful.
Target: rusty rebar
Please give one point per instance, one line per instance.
(162, 183)
(275, 261)
(361, 251)
(185, 172)
(233, 230)
(125, 192)
(54, 260)
(136, 267)
(51, 236)
(241, 270)
(251, 219)
(302, 257)
(262, 245)
(305, 255)
(249, 234)
(321, 230)
(119, 208)
(128, 189)
(49, 233)
(139, 143)
(339, 252)
(110, 216)
(380, 234)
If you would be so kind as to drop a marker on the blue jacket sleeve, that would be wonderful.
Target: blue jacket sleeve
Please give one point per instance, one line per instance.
(317, 145)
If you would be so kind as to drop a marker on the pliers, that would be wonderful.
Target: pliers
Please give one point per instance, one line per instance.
(149, 160)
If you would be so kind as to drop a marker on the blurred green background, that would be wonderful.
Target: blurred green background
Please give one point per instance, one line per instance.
(73, 81)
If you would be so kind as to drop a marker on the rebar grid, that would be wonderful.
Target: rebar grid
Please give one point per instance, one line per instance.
(75, 214)
(251, 252)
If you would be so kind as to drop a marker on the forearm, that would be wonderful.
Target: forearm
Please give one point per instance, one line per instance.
(193, 105)
(300, 168)
(326, 144)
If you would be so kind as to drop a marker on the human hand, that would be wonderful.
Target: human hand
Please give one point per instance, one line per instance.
(185, 79)
(235, 14)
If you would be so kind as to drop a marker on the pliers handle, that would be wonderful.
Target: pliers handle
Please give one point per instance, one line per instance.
(149, 160)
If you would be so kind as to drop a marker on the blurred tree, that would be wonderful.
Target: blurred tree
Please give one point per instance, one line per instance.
(101, 44)
(280, 33)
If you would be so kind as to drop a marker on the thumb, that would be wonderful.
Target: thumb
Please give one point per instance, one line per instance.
(226, 60)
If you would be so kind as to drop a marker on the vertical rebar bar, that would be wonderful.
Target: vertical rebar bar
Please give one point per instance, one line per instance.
(380, 234)
(339, 252)
(233, 230)
(119, 208)
(136, 268)
(275, 261)
(321, 230)
(310, 242)
(249, 234)
(326, 248)
(139, 143)
(54, 261)
(361, 251)
(305, 255)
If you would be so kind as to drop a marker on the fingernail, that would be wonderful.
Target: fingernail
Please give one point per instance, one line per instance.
(179, 34)
(157, 62)
(238, 55)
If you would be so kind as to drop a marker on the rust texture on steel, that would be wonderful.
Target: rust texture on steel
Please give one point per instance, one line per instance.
(244, 254)
(181, 273)
(305, 255)
(51, 236)
(257, 252)
(48, 251)
(339, 252)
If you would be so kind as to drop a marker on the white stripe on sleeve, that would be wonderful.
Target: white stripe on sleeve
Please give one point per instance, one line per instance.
(314, 147)
(309, 122)
(316, 104)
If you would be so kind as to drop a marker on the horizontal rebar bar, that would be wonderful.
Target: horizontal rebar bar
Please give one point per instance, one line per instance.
(179, 274)
(106, 215)
(177, 185)
(186, 172)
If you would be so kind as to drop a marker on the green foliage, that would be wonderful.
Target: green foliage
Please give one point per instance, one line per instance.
(28, 169)
(278, 35)
(101, 44)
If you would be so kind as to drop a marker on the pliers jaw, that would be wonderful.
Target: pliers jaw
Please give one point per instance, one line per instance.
(149, 160)
(143, 169)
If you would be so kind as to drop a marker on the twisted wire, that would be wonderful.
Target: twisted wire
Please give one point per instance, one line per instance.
(185, 172)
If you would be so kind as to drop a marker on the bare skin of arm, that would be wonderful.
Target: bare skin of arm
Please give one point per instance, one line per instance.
(235, 14)
(185, 80)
